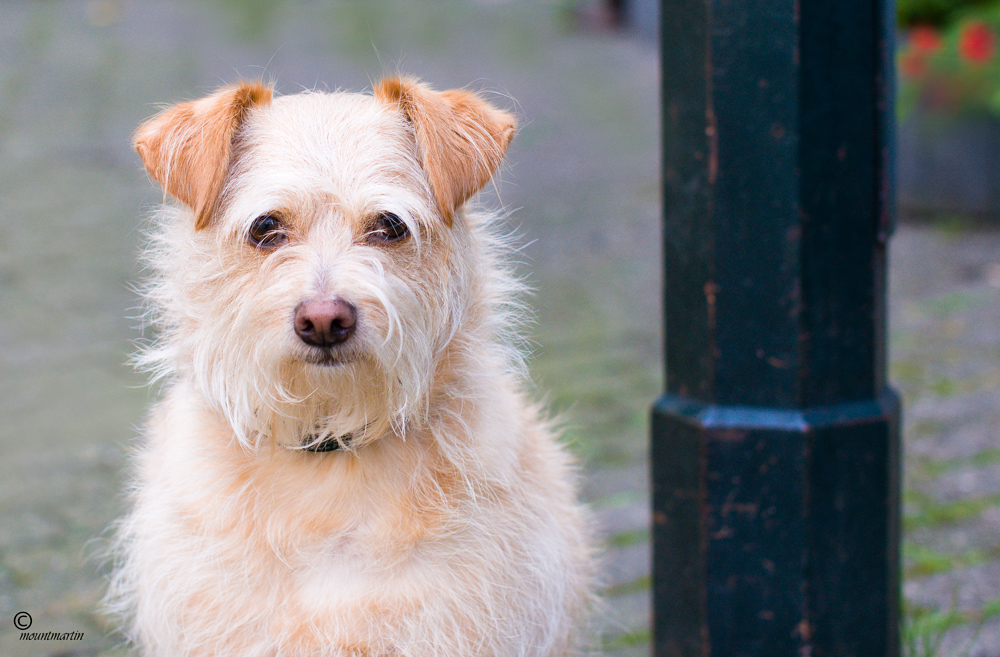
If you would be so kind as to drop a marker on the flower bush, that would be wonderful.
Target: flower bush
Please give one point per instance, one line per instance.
(951, 65)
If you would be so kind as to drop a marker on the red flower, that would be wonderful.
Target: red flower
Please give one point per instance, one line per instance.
(922, 42)
(925, 39)
(976, 42)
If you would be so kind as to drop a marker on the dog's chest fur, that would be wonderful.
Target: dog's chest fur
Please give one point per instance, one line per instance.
(306, 554)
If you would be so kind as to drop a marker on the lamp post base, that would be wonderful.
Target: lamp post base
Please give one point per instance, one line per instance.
(776, 531)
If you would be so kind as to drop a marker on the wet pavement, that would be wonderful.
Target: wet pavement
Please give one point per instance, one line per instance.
(582, 182)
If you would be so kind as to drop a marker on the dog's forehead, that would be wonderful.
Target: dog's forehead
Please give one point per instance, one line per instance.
(313, 150)
(344, 133)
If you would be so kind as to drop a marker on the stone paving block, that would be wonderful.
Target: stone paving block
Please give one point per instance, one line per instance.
(973, 641)
(627, 564)
(628, 613)
(969, 588)
(631, 481)
(612, 521)
(962, 483)
(979, 534)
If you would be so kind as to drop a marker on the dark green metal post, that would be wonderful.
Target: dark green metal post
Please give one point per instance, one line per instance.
(776, 446)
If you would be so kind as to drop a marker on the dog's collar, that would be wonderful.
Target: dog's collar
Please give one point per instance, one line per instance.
(331, 444)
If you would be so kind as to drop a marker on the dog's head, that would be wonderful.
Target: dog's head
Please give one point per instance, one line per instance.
(321, 265)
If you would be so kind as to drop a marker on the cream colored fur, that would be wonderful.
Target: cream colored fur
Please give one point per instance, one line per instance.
(448, 526)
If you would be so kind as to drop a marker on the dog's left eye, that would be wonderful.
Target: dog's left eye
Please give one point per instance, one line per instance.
(388, 228)
(266, 232)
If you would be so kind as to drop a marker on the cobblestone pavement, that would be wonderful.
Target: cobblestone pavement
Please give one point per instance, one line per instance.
(76, 77)
(945, 353)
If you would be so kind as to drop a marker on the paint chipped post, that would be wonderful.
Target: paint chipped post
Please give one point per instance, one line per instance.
(776, 446)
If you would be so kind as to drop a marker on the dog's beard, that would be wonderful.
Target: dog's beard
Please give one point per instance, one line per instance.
(348, 403)
(282, 399)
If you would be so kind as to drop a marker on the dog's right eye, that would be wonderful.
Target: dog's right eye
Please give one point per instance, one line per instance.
(266, 232)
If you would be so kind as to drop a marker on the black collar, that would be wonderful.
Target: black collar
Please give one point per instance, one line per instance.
(331, 444)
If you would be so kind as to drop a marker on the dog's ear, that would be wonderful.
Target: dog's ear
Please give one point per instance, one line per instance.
(187, 147)
(460, 137)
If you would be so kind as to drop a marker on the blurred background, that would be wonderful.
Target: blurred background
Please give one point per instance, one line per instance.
(582, 185)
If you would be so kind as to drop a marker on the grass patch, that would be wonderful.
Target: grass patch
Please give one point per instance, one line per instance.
(628, 538)
(931, 513)
(936, 467)
(922, 561)
(924, 629)
(617, 500)
(952, 303)
(639, 585)
(627, 640)
(944, 387)
(953, 225)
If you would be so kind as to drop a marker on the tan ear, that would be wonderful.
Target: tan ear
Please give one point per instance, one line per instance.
(461, 138)
(187, 147)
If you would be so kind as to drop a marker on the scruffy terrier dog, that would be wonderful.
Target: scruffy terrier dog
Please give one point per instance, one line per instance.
(345, 461)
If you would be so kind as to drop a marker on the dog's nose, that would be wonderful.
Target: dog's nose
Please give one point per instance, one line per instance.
(325, 322)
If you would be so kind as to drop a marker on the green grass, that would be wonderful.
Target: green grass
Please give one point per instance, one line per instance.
(922, 561)
(953, 225)
(924, 629)
(635, 636)
(618, 499)
(931, 513)
(949, 304)
(628, 538)
(921, 380)
(629, 639)
(936, 467)
(639, 585)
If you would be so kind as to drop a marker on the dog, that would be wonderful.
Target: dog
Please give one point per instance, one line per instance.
(345, 460)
